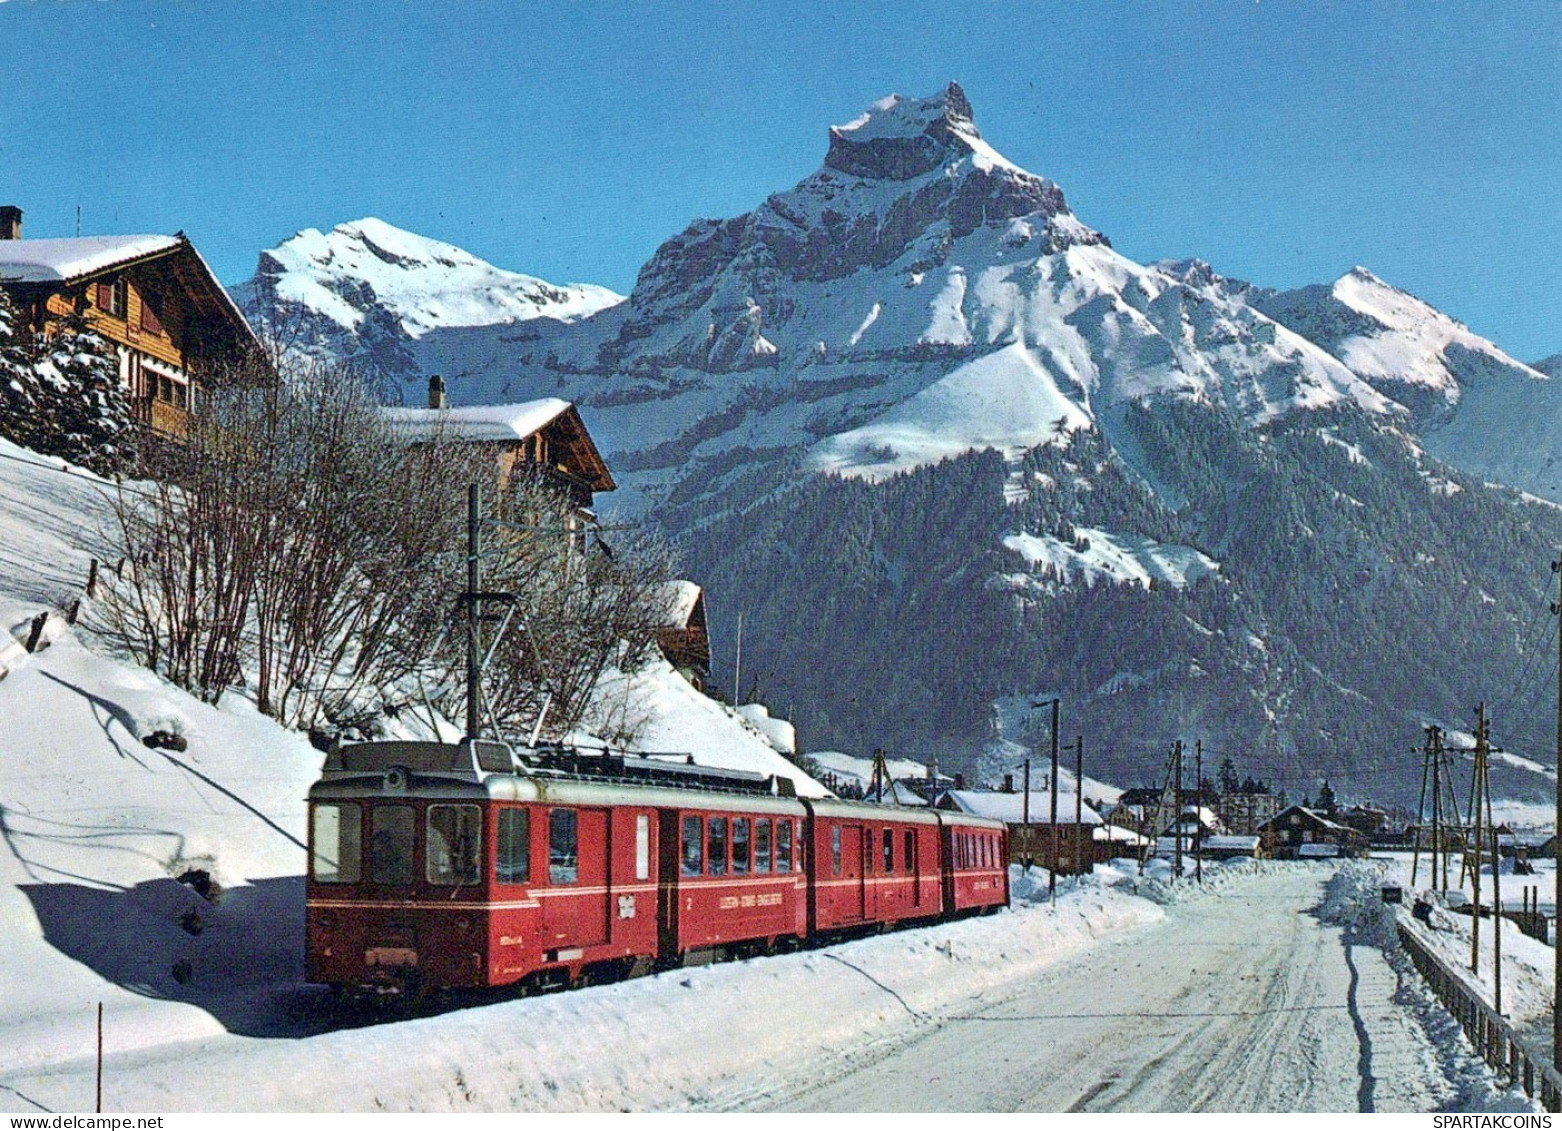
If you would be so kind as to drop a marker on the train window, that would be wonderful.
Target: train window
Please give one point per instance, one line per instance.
(909, 857)
(563, 846)
(716, 845)
(642, 847)
(453, 844)
(513, 853)
(392, 830)
(762, 846)
(740, 846)
(784, 859)
(338, 847)
(889, 851)
(693, 858)
(835, 850)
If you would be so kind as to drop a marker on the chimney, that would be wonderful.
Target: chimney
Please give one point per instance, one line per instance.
(1008, 783)
(436, 392)
(10, 222)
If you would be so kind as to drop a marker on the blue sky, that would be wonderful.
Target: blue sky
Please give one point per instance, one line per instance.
(1282, 142)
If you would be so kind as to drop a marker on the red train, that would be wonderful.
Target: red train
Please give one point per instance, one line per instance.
(445, 866)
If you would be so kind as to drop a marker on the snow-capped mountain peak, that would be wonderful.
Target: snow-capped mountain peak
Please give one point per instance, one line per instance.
(899, 138)
(367, 270)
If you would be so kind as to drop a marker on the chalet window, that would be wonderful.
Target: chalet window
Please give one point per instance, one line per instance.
(111, 297)
(784, 862)
(392, 830)
(452, 844)
(740, 846)
(149, 320)
(693, 858)
(563, 846)
(762, 846)
(716, 846)
(513, 853)
(336, 848)
(889, 851)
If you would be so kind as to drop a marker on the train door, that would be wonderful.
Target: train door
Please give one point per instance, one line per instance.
(853, 904)
(575, 907)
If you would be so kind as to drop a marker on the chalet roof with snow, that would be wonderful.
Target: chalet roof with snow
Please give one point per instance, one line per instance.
(43, 266)
(66, 260)
(1010, 807)
(511, 424)
(683, 597)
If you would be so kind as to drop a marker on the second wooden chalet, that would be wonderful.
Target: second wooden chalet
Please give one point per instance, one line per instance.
(547, 434)
(171, 323)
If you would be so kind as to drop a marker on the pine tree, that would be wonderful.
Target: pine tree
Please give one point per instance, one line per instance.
(61, 395)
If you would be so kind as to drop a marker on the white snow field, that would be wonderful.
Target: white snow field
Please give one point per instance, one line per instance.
(1236, 998)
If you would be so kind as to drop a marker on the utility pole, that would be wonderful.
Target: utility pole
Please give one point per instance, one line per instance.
(1476, 800)
(1556, 940)
(1079, 802)
(1052, 871)
(737, 668)
(1198, 809)
(1415, 855)
(1177, 811)
(474, 502)
(1030, 850)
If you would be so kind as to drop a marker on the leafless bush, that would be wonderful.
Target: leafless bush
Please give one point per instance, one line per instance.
(295, 546)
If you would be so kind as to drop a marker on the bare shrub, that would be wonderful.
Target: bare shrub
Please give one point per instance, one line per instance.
(296, 546)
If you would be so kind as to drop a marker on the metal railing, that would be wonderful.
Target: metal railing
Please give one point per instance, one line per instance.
(1489, 1033)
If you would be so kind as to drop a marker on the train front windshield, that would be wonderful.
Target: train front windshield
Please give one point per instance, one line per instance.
(381, 847)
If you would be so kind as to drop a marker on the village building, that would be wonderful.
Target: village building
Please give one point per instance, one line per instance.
(1298, 833)
(684, 635)
(1244, 811)
(547, 435)
(173, 327)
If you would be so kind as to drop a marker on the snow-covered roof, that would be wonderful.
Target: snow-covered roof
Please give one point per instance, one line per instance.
(497, 423)
(1010, 807)
(682, 596)
(60, 260)
(1224, 843)
(1118, 835)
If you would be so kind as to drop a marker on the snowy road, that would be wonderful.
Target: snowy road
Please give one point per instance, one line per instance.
(1243, 1001)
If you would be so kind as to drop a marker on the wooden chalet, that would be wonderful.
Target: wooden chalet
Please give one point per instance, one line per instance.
(547, 434)
(1298, 833)
(684, 636)
(170, 321)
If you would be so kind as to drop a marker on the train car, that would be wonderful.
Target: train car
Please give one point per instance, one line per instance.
(451, 866)
(871, 865)
(732, 879)
(975, 872)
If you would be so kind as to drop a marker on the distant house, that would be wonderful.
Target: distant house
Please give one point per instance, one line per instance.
(684, 636)
(170, 321)
(1244, 811)
(1298, 833)
(547, 434)
(1031, 833)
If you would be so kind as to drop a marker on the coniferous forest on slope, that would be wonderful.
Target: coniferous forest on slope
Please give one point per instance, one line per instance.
(1356, 576)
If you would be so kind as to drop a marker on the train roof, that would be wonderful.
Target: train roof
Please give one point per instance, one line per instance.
(496, 770)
